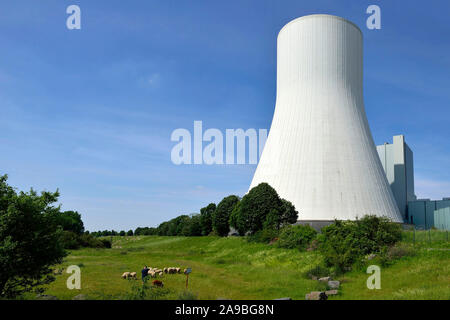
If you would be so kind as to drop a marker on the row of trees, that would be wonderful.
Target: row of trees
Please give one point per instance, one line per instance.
(261, 208)
(106, 233)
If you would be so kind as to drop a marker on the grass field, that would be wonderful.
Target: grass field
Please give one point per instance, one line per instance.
(232, 268)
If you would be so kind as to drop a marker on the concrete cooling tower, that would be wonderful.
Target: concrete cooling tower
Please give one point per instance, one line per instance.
(320, 154)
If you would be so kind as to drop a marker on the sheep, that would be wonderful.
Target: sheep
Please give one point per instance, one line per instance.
(161, 274)
(165, 270)
(133, 275)
(158, 270)
(157, 283)
(125, 275)
(178, 270)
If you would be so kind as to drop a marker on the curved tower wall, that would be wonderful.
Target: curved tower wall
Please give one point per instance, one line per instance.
(320, 154)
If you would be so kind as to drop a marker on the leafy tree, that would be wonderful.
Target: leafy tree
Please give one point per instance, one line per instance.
(193, 227)
(273, 220)
(69, 221)
(122, 233)
(254, 207)
(130, 233)
(163, 229)
(288, 213)
(30, 239)
(206, 218)
(222, 214)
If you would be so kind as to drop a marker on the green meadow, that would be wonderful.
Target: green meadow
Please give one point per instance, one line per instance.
(232, 268)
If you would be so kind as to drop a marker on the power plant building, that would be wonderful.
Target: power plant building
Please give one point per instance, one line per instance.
(320, 154)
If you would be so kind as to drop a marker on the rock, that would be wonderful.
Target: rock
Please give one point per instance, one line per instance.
(80, 297)
(286, 298)
(316, 295)
(371, 256)
(331, 292)
(333, 284)
(325, 279)
(45, 297)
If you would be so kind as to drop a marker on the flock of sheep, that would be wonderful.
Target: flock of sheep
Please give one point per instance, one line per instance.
(153, 272)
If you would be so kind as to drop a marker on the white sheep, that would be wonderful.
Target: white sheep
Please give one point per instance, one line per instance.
(133, 275)
(125, 275)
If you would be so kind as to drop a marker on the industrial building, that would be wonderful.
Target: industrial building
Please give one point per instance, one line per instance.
(398, 164)
(320, 154)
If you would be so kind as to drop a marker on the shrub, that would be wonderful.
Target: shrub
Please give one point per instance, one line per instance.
(106, 243)
(298, 236)
(70, 240)
(390, 254)
(345, 242)
(318, 271)
(264, 236)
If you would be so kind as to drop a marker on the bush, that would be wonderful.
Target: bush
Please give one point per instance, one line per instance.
(318, 272)
(106, 243)
(345, 242)
(298, 236)
(390, 254)
(70, 240)
(264, 236)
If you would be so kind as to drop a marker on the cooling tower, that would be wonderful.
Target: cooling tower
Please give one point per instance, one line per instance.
(320, 154)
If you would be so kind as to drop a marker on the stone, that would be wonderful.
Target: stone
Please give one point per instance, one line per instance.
(333, 284)
(80, 297)
(316, 295)
(45, 297)
(325, 279)
(331, 292)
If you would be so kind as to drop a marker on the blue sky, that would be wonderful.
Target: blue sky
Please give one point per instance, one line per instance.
(91, 111)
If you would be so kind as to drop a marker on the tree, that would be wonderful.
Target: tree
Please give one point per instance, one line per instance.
(222, 214)
(254, 207)
(30, 239)
(288, 214)
(69, 221)
(130, 233)
(122, 233)
(193, 227)
(206, 214)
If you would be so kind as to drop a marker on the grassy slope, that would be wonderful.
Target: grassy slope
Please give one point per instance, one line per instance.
(231, 268)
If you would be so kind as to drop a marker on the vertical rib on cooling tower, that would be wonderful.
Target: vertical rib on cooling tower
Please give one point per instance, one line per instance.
(320, 153)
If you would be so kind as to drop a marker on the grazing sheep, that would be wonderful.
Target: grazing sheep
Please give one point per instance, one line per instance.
(133, 275)
(178, 270)
(161, 274)
(125, 275)
(157, 283)
(184, 271)
(165, 270)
